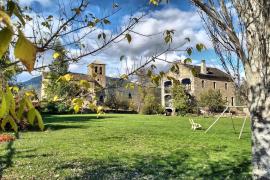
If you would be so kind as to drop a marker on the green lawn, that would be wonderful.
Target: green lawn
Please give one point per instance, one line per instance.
(119, 146)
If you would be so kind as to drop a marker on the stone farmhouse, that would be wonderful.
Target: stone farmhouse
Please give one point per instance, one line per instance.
(197, 79)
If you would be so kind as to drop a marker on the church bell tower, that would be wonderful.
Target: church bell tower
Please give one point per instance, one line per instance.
(97, 70)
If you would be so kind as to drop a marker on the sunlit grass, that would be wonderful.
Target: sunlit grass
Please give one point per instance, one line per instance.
(119, 146)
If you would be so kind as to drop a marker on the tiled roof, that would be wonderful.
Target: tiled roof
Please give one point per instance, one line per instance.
(212, 73)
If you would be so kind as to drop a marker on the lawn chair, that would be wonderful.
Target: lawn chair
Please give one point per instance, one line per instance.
(195, 126)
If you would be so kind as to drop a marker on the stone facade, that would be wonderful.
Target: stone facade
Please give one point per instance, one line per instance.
(97, 70)
(198, 79)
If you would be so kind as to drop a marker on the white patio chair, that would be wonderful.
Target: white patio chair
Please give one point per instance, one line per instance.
(195, 126)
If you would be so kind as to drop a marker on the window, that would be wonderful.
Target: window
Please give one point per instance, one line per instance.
(215, 85)
(129, 96)
(202, 83)
(187, 83)
(232, 101)
(226, 86)
(101, 99)
(100, 70)
(96, 68)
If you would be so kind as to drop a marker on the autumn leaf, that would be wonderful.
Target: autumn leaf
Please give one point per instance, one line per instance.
(106, 21)
(200, 47)
(154, 2)
(129, 38)
(26, 52)
(5, 18)
(5, 36)
(189, 51)
(56, 55)
(68, 77)
(187, 60)
(55, 98)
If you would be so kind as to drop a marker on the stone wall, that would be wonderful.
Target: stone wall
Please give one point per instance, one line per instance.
(196, 87)
(220, 85)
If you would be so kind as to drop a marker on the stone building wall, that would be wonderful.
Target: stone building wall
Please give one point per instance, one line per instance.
(98, 72)
(195, 87)
(227, 94)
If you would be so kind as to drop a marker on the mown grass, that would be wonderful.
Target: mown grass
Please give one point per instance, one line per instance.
(119, 146)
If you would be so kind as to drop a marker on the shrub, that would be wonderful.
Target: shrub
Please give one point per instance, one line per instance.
(212, 100)
(151, 105)
(183, 102)
(116, 101)
(55, 108)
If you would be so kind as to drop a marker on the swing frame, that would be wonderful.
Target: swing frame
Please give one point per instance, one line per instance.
(229, 107)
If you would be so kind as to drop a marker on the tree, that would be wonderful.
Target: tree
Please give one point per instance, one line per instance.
(58, 68)
(151, 104)
(116, 101)
(241, 28)
(183, 102)
(74, 24)
(212, 100)
(252, 19)
(8, 74)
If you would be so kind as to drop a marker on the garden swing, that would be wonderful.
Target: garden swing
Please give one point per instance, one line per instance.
(229, 108)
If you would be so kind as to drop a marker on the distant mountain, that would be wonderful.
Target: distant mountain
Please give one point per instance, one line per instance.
(32, 83)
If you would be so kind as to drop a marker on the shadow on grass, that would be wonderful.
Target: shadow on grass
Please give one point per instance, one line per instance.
(55, 127)
(73, 118)
(6, 160)
(58, 122)
(178, 165)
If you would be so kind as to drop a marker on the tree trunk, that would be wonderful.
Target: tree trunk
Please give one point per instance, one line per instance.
(260, 116)
(257, 69)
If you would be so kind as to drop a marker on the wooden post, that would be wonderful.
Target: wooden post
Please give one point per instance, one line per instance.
(242, 127)
(217, 119)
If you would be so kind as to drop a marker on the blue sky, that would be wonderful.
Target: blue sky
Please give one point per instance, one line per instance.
(179, 15)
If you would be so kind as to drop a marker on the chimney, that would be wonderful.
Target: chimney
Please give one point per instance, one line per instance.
(203, 67)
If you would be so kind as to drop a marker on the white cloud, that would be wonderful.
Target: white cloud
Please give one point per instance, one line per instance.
(29, 2)
(185, 24)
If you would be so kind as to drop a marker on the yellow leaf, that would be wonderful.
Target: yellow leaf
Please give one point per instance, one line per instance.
(26, 52)
(31, 116)
(29, 94)
(5, 18)
(8, 119)
(85, 84)
(68, 77)
(129, 38)
(3, 108)
(76, 108)
(154, 2)
(15, 89)
(3, 123)
(77, 101)
(5, 37)
(21, 108)
(40, 120)
(124, 76)
(55, 98)
(56, 55)
(11, 103)
(29, 103)
(92, 107)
